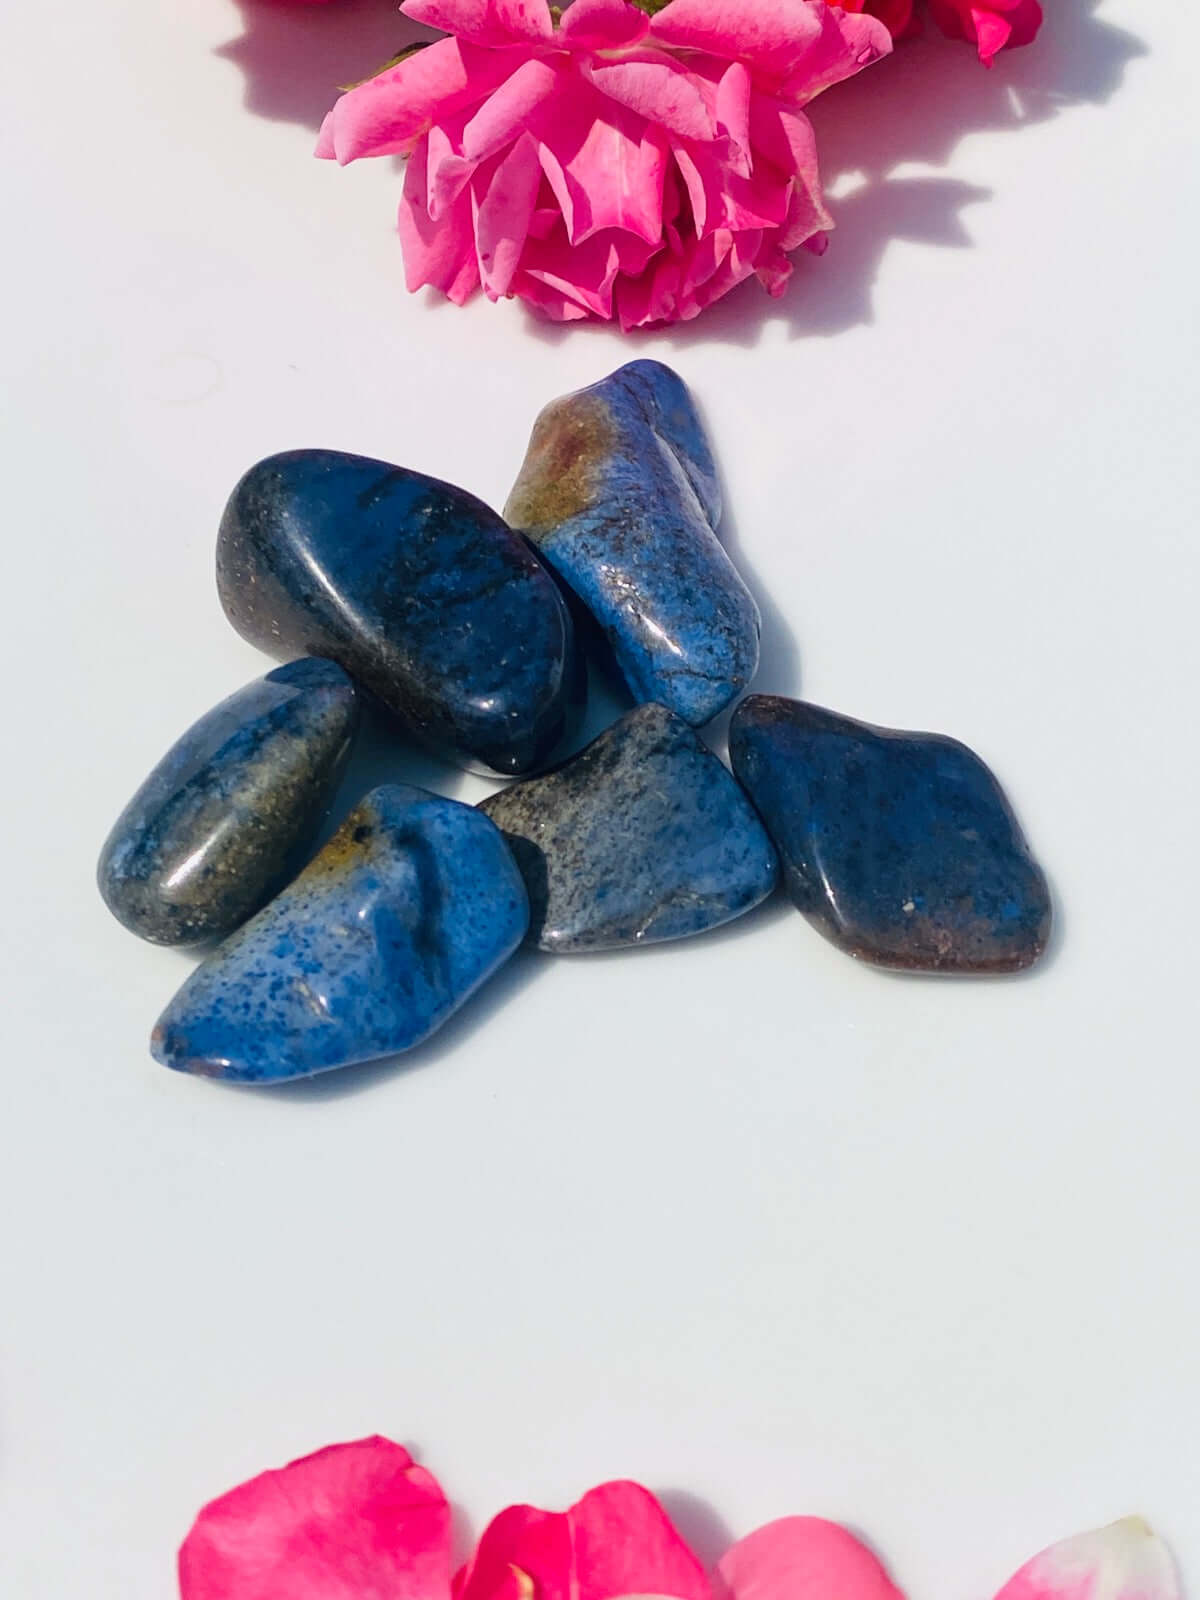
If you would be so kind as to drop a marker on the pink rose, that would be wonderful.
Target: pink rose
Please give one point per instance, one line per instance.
(609, 164)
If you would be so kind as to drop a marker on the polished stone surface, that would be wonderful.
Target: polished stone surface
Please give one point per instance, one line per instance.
(418, 589)
(619, 493)
(643, 836)
(226, 817)
(900, 847)
(411, 906)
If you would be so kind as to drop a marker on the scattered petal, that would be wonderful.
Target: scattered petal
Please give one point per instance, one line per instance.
(352, 1522)
(1124, 1561)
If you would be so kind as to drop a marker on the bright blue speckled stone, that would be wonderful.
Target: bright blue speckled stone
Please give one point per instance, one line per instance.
(413, 904)
(619, 493)
(900, 847)
(228, 814)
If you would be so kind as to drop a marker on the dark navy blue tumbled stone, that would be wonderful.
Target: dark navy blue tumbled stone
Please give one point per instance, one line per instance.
(417, 588)
(413, 904)
(227, 815)
(900, 847)
(643, 836)
(619, 493)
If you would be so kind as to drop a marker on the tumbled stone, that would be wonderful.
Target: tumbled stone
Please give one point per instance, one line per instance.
(643, 836)
(412, 904)
(418, 589)
(619, 493)
(899, 847)
(226, 816)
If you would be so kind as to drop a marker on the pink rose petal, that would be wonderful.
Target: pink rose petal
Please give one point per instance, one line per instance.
(661, 91)
(616, 1541)
(602, 24)
(504, 205)
(803, 1558)
(352, 1522)
(486, 22)
(437, 250)
(1125, 1561)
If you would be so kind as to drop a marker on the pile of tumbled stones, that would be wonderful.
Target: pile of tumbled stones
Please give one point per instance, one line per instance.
(901, 848)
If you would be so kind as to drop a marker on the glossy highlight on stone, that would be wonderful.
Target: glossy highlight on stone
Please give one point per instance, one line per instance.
(643, 836)
(619, 493)
(900, 847)
(417, 588)
(226, 816)
(408, 909)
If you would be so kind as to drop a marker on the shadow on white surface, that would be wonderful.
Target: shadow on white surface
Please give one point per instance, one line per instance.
(295, 58)
(706, 1534)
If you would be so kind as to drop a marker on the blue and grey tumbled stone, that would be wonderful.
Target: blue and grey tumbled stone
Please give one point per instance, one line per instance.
(408, 909)
(643, 836)
(619, 493)
(226, 817)
(899, 847)
(417, 588)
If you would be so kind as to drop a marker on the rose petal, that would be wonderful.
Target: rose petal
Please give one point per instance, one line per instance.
(504, 206)
(774, 38)
(1125, 1561)
(438, 251)
(605, 24)
(504, 114)
(605, 165)
(616, 1541)
(489, 22)
(803, 1558)
(662, 92)
(389, 113)
(353, 1522)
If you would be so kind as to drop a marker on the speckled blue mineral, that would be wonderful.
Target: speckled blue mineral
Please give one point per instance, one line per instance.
(226, 816)
(413, 904)
(619, 493)
(643, 836)
(417, 588)
(900, 847)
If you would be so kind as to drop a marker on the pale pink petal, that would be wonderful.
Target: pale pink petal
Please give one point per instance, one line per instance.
(807, 223)
(1125, 1561)
(438, 251)
(488, 22)
(773, 36)
(446, 172)
(803, 1558)
(616, 1541)
(389, 113)
(723, 199)
(602, 24)
(662, 92)
(784, 136)
(733, 114)
(503, 115)
(836, 54)
(352, 1522)
(604, 165)
(503, 212)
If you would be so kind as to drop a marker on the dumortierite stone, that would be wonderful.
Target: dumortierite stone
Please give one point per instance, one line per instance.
(415, 587)
(225, 818)
(619, 493)
(900, 847)
(641, 837)
(411, 905)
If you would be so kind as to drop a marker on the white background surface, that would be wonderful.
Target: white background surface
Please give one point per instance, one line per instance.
(765, 1229)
